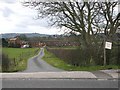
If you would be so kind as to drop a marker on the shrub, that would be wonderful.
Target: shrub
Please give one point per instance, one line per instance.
(5, 63)
(75, 57)
(84, 57)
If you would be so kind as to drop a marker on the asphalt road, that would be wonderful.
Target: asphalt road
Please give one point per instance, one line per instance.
(58, 83)
(36, 64)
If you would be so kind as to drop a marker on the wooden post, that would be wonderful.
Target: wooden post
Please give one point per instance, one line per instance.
(104, 53)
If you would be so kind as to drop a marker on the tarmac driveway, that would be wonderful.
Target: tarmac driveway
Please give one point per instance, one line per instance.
(36, 64)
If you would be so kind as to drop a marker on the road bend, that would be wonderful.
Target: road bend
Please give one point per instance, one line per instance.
(36, 64)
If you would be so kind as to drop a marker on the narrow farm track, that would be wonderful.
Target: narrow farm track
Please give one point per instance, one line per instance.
(36, 64)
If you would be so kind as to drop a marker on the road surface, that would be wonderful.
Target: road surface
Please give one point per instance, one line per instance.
(58, 83)
(36, 64)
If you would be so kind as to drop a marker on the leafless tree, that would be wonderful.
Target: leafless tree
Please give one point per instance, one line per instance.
(86, 18)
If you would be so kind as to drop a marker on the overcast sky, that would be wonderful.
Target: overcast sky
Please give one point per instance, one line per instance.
(15, 18)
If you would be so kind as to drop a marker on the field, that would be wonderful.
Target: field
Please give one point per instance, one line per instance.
(17, 52)
(16, 58)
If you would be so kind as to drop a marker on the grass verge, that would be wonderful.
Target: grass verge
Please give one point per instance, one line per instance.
(58, 63)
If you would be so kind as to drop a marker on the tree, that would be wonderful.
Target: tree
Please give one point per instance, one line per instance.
(23, 37)
(110, 17)
(4, 43)
(111, 21)
(81, 17)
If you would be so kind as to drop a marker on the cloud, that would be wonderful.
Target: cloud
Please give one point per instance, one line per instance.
(21, 25)
(7, 12)
(45, 30)
(9, 1)
(16, 18)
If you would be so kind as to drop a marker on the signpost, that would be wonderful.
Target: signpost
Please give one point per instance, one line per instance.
(107, 45)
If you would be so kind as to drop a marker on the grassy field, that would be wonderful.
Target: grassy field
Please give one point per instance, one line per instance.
(16, 52)
(57, 62)
(19, 57)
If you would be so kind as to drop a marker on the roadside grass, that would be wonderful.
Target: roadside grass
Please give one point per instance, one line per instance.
(19, 57)
(58, 63)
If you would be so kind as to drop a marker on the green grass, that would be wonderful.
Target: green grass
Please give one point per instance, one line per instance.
(16, 52)
(57, 62)
(19, 57)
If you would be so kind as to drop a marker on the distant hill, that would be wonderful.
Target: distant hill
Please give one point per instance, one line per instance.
(10, 35)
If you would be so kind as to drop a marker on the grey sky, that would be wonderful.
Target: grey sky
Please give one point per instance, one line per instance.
(16, 18)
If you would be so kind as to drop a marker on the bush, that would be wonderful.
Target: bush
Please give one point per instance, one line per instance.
(75, 57)
(112, 56)
(5, 63)
(87, 56)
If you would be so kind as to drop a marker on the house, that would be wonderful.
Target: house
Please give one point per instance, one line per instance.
(36, 43)
(61, 43)
(15, 40)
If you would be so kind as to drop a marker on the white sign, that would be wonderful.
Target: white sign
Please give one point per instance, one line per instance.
(108, 45)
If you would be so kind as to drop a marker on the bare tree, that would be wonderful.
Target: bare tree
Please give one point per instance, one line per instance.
(111, 17)
(76, 16)
(85, 18)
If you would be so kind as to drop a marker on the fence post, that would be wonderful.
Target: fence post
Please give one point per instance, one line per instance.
(104, 53)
